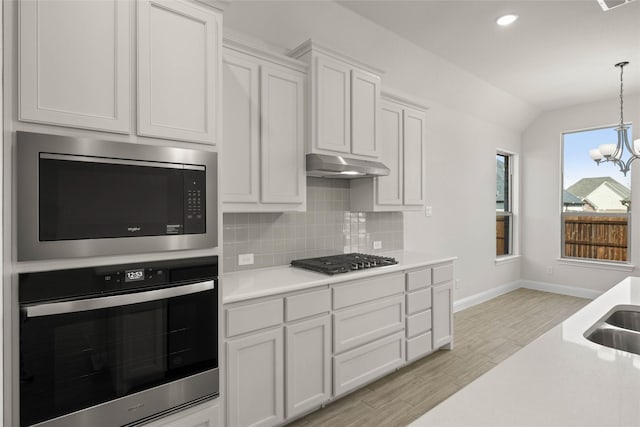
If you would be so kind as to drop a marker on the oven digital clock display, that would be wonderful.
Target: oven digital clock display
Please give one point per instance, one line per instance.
(134, 275)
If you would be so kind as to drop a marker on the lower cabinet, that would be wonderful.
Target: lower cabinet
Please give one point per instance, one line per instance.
(204, 415)
(255, 389)
(308, 365)
(366, 363)
(442, 314)
(289, 354)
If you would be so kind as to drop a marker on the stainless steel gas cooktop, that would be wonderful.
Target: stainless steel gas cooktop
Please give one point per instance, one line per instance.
(343, 263)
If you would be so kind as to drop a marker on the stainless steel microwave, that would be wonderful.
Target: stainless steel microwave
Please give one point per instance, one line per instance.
(81, 197)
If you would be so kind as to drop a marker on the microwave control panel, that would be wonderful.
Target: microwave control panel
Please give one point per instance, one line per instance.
(194, 202)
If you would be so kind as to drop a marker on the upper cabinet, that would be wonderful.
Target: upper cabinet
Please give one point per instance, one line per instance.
(344, 103)
(178, 68)
(264, 132)
(402, 146)
(75, 63)
(76, 66)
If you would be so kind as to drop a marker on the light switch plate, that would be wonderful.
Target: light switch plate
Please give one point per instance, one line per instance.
(377, 244)
(428, 211)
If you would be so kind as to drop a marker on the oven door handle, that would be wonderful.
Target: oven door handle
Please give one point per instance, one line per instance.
(38, 310)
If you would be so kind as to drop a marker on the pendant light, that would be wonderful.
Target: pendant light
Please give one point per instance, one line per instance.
(614, 152)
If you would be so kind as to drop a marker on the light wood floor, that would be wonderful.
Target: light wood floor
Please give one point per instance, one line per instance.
(484, 335)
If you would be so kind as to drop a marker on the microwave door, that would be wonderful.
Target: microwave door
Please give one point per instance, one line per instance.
(92, 200)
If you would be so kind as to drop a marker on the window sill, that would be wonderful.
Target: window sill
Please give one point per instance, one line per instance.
(603, 265)
(507, 259)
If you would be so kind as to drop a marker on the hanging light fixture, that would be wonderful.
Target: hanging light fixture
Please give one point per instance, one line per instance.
(614, 152)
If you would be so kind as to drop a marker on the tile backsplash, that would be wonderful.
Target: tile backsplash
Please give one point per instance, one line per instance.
(327, 228)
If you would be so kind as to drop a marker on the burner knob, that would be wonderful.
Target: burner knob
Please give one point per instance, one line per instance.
(354, 265)
(367, 264)
(361, 264)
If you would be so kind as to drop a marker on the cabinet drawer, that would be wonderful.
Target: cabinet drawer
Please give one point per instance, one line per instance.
(368, 289)
(418, 323)
(366, 323)
(362, 365)
(419, 346)
(308, 304)
(418, 301)
(418, 279)
(253, 317)
(444, 273)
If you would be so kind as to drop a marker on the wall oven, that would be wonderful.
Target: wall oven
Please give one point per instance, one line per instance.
(84, 197)
(114, 345)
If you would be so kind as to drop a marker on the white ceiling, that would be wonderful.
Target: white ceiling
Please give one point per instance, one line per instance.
(559, 52)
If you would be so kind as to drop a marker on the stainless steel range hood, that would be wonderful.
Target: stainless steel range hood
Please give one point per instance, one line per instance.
(327, 166)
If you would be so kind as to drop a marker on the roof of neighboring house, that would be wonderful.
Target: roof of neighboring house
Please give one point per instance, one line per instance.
(586, 186)
(570, 199)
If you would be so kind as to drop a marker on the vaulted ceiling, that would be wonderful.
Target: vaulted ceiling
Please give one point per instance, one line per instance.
(559, 52)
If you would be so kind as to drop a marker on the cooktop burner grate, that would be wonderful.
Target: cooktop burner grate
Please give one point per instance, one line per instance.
(345, 263)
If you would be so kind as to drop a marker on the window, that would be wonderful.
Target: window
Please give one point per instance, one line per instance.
(504, 204)
(596, 200)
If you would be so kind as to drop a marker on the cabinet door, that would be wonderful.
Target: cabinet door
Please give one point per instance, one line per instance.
(365, 93)
(389, 188)
(414, 130)
(240, 133)
(74, 63)
(178, 69)
(308, 365)
(282, 135)
(255, 390)
(333, 105)
(442, 314)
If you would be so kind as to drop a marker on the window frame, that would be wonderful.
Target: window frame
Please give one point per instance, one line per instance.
(512, 200)
(581, 260)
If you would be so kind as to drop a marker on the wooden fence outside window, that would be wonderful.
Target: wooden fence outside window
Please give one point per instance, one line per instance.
(596, 237)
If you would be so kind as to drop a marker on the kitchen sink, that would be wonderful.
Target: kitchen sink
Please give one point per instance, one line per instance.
(620, 339)
(619, 329)
(626, 319)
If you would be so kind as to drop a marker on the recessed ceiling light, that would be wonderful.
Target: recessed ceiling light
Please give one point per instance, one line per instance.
(506, 20)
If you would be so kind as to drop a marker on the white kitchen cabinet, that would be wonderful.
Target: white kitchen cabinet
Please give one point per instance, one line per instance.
(179, 45)
(308, 365)
(367, 363)
(264, 132)
(75, 63)
(204, 415)
(402, 147)
(367, 322)
(442, 314)
(255, 379)
(344, 103)
(332, 95)
(413, 176)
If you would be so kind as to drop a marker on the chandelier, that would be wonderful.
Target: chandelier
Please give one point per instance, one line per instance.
(614, 152)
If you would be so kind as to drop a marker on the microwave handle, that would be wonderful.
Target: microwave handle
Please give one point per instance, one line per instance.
(64, 307)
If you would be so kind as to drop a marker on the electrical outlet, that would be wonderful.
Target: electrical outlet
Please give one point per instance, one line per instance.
(428, 211)
(245, 259)
(377, 244)
(549, 270)
(457, 283)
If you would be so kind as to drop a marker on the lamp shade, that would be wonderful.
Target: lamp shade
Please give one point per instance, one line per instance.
(595, 154)
(607, 149)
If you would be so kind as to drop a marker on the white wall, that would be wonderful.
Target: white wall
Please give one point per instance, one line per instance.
(541, 154)
(467, 121)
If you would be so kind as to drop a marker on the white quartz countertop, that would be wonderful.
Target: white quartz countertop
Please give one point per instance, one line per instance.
(249, 284)
(560, 379)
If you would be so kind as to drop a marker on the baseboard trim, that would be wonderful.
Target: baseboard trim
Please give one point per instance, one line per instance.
(484, 296)
(492, 293)
(561, 289)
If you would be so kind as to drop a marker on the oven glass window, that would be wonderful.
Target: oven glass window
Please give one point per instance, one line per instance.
(73, 361)
(85, 200)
